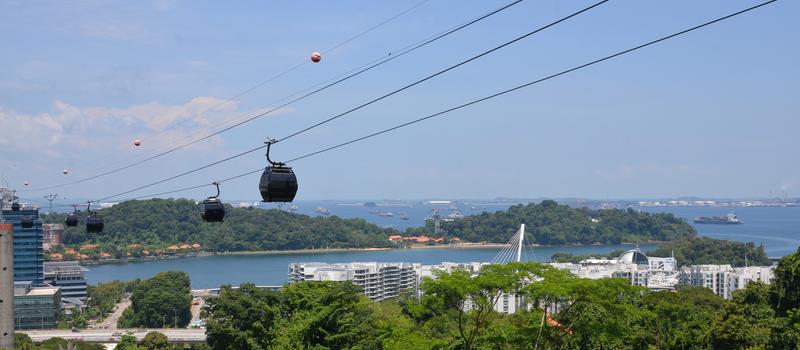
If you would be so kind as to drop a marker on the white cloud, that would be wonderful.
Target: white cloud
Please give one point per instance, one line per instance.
(71, 132)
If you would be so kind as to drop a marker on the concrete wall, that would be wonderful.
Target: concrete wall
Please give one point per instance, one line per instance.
(6, 286)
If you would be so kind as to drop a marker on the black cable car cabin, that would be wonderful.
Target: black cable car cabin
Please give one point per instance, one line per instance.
(278, 182)
(94, 223)
(71, 220)
(213, 209)
(26, 221)
(15, 206)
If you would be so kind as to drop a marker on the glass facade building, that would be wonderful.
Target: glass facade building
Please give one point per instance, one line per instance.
(28, 249)
(36, 307)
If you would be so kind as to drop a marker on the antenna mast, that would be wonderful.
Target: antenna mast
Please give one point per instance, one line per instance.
(50, 198)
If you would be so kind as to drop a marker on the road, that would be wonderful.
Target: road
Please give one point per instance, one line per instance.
(110, 322)
(196, 309)
(112, 336)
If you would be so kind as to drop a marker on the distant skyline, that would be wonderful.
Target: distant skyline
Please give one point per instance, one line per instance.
(713, 114)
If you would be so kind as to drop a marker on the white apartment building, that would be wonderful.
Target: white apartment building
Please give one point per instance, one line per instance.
(724, 279)
(379, 280)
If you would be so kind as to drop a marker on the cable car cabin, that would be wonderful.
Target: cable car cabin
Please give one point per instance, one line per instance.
(278, 184)
(26, 222)
(213, 210)
(71, 220)
(94, 223)
(15, 206)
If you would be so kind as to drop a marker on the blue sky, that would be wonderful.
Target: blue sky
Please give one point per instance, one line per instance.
(713, 113)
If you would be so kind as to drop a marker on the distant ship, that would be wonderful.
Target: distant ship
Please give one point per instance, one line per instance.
(729, 219)
(292, 208)
(386, 214)
(403, 216)
(322, 211)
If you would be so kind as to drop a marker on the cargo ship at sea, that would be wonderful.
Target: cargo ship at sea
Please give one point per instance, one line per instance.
(729, 219)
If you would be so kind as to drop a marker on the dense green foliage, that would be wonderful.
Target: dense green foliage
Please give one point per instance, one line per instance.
(24, 342)
(787, 286)
(455, 312)
(704, 250)
(153, 341)
(570, 258)
(160, 302)
(325, 315)
(551, 224)
(161, 222)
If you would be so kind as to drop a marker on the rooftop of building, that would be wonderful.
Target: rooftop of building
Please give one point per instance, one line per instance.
(63, 266)
(40, 291)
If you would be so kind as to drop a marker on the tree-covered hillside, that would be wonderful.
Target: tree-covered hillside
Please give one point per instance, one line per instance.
(704, 250)
(169, 221)
(549, 223)
(161, 222)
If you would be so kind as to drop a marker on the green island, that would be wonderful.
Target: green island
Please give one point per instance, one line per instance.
(159, 228)
(136, 229)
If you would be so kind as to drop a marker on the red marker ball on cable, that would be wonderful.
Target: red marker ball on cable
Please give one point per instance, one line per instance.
(137, 143)
(316, 57)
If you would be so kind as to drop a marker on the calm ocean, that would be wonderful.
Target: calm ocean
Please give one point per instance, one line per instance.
(777, 228)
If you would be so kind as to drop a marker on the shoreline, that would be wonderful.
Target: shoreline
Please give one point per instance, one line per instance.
(321, 251)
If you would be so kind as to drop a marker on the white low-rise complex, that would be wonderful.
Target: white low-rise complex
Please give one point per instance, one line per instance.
(386, 280)
(379, 280)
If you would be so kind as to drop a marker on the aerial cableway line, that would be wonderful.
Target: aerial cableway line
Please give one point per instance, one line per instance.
(346, 77)
(363, 105)
(504, 92)
(276, 76)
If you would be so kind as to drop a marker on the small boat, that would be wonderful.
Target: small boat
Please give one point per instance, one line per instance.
(292, 208)
(387, 214)
(403, 216)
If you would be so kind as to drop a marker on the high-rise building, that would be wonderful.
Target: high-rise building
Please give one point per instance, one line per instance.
(28, 250)
(71, 278)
